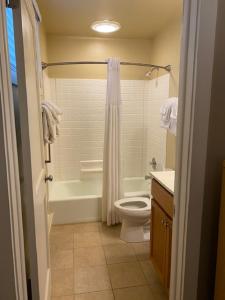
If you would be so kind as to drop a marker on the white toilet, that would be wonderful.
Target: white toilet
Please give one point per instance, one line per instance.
(134, 213)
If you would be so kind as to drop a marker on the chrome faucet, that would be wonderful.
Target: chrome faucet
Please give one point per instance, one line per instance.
(147, 177)
(153, 163)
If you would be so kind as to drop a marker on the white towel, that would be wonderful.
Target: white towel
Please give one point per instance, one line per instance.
(173, 116)
(51, 116)
(168, 112)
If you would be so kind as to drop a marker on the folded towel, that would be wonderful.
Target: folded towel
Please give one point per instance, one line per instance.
(168, 112)
(51, 116)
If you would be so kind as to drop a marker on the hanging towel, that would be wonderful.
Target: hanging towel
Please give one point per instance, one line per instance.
(51, 116)
(168, 115)
(173, 117)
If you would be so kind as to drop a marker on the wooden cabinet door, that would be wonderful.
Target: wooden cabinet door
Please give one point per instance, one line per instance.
(158, 238)
(168, 252)
(161, 242)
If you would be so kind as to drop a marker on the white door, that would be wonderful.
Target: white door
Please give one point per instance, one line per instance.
(34, 191)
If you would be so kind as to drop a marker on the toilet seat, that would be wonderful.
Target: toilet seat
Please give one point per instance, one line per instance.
(128, 204)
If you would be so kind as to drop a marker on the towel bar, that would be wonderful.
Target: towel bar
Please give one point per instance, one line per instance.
(49, 160)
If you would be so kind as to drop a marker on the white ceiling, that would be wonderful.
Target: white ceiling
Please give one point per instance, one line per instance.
(138, 18)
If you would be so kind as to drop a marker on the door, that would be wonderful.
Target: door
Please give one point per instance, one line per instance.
(158, 238)
(220, 266)
(12, 262)
(33, 185)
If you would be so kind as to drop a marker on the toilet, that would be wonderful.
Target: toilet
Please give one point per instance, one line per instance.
(134, 213)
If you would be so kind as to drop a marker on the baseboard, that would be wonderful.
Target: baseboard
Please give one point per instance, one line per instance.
(50, 221)
(48, 286)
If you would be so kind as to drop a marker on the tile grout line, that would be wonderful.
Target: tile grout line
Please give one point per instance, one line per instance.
(107, 268)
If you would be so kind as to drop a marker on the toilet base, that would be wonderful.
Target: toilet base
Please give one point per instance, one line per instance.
(133, 233)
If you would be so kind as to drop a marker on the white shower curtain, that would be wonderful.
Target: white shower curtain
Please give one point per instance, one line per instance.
(112, 157)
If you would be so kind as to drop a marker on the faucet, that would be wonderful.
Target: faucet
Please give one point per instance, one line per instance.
(147, 177)
(153, 163)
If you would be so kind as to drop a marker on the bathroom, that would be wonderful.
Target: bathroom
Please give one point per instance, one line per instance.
(90, 189)
(75, 194)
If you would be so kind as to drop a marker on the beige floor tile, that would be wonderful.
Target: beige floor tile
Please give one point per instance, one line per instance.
(91, 279)
(61, 241)
(87, 227)
(111, 237)
(103, 295)
(150, 274)
(63, 298)
(159, 292)
(62, 282)
(126, 275)
(134, 293)
(89, 256)
(103, 227)
(62, 259)
(142, 250)
(63, 228)
(119, 253)
(87, 239)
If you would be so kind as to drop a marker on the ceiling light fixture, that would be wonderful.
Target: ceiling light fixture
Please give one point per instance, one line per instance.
(105, 26)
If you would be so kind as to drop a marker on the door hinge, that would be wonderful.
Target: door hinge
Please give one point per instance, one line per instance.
(12, 3)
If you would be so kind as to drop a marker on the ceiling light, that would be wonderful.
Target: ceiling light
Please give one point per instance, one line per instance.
(105, 26)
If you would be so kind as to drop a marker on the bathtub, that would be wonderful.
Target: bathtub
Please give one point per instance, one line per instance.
(80, 201)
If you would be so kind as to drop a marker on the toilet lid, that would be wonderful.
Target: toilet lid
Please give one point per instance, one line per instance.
(136, 203)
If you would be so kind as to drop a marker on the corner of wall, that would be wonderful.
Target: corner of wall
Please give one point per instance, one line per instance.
(166, 51)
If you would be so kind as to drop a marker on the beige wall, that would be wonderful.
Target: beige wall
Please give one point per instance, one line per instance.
(43, 43)
(166, 51)
(163, 49)
(64, 48)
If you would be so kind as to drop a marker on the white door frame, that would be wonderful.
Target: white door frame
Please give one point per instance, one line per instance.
(195, 98)
(12, 258)
(197, 62)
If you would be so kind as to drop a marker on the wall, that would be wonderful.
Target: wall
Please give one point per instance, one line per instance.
(64, 48)
(163, 49)
(156, 91)
(82, 128)
(166, 51)
(43, 42)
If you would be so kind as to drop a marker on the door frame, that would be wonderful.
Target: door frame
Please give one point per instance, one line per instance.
(12, 256)
(195, 98)
(195, 84)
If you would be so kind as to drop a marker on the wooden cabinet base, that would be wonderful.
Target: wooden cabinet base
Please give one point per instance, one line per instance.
(161, 233)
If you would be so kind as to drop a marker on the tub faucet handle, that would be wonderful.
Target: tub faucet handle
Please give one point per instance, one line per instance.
(48, 178)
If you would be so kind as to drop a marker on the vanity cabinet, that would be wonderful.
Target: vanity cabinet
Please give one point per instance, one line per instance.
(161, 231)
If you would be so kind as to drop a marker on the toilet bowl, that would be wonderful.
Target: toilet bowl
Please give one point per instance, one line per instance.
(134, 213)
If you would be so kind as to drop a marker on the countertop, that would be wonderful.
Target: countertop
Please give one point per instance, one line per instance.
(165, 178)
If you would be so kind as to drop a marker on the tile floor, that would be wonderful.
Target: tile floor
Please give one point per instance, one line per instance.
(90, 262)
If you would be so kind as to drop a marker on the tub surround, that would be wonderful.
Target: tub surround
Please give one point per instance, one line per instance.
(166, 179)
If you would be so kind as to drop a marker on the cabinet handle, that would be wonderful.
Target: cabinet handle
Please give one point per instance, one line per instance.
(163, 222)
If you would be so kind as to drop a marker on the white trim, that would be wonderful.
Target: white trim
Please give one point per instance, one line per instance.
(194, 108)
(9, 180)
(37, 11)
(48, 286)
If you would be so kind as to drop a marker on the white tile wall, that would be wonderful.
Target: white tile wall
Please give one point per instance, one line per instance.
(156, 92)
(82, 127)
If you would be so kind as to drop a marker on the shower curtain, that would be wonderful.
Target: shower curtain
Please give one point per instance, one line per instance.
(111, 161)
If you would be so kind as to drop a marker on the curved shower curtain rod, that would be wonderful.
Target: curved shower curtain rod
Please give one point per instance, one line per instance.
(64, 63)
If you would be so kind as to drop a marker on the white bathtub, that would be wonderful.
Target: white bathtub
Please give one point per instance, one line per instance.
(80, 201)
